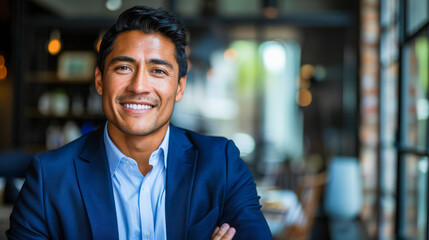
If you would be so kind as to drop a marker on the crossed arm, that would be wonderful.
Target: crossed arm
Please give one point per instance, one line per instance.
(242, 208)
(225, 232)
(241, 216)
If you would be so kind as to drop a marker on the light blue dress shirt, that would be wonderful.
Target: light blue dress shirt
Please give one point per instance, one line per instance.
(139, 200)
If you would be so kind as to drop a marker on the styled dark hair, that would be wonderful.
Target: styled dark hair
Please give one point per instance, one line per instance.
(147, 20)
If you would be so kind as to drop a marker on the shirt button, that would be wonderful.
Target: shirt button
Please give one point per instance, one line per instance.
(147, 235)
(128, 162)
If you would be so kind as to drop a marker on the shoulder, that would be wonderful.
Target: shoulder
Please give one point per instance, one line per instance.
(205, 143)
(70, 150)
(58, 167)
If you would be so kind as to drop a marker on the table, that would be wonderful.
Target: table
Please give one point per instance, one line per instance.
(281, 209)
(5, 211)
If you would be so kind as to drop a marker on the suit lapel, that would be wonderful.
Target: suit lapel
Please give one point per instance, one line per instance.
(181, 163)
(96, 187)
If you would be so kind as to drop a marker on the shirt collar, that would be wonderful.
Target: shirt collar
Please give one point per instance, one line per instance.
(114, 155)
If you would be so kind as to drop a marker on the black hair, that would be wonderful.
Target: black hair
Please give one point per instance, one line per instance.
(147, 20)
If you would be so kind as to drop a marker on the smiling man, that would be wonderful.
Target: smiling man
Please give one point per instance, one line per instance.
(139, 177)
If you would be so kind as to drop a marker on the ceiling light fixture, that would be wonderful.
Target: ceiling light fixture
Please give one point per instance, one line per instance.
(113, 5)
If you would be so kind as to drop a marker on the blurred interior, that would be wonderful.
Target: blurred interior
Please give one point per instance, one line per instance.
(327, 101)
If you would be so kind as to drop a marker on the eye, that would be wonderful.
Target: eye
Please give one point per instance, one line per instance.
(159, 72)
(123, 68)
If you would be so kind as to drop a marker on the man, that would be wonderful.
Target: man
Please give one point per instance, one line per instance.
(140, 177)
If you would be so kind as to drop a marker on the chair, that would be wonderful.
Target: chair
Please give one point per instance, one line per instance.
(5, 212)
(13, 166)
(309, 191)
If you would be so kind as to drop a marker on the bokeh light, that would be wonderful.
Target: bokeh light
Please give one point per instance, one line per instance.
(270, 12)
(113, 5)
(307, 71)
(3, 72)
(230, 55)
(274, 56)
(98, 44)
(244, 142)
(2, 61)
(304, 83)
(304, 97)
(54, 46)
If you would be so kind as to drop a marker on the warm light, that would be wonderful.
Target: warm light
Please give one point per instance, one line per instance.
(98, 44)
(304, 97)
(54, 46)
(230, 55)
(2, 61)
(304, 83)
(3, 72)
(270, 12)
(307, 71)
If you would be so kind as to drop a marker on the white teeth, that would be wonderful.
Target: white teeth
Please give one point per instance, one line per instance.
(137, 106)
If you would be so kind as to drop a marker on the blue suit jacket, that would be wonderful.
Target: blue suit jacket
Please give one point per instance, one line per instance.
(68, 192)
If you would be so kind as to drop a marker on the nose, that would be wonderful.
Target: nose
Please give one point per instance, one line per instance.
(139, 83)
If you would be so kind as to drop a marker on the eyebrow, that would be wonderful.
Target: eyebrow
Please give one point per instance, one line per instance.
(150, 61)
(122, 59)
(159, 62)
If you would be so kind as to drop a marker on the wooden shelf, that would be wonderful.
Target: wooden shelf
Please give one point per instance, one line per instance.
(35, 114)
(51, 78)
(315, 19)
(34, 148)
(333, 18)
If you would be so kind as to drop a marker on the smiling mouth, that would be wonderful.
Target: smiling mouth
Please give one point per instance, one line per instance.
(137, 106)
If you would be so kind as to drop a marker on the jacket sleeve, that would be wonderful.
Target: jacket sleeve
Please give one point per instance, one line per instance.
(27, 220)
(242, 209)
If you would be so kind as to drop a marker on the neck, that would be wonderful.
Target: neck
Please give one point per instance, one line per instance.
(137, 147)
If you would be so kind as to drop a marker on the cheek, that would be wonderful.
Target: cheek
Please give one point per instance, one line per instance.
(167, 90)
(112, 88)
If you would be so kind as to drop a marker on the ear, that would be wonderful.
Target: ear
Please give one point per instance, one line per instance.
(98, 81)
(181, 88)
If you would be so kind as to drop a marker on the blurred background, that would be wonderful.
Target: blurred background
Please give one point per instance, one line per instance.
(327, 101)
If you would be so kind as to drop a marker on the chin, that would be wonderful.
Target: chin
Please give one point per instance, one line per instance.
(136, 132)
(140, 131)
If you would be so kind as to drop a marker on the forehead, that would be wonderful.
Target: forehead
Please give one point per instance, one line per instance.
(136, 42)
